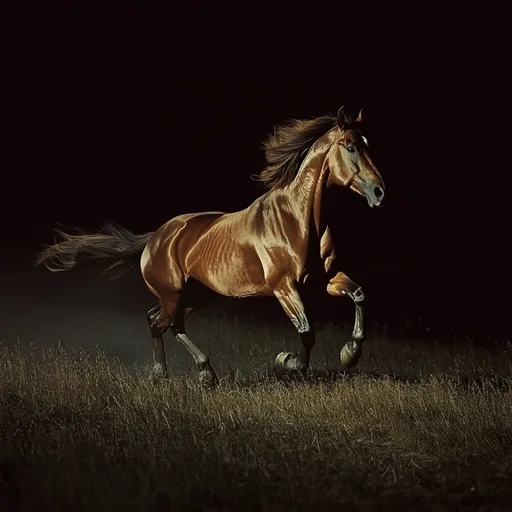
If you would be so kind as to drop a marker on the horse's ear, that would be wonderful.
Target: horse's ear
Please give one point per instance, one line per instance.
(340, 118)
(360, 117)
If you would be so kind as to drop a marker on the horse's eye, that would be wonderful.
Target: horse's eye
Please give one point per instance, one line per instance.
(351, 149)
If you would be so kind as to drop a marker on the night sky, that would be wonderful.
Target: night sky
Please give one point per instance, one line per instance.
(117, 116)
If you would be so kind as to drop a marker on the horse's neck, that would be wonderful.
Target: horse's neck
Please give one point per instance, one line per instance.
(306, 190)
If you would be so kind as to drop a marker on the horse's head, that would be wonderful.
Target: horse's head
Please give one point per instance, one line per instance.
(349, 161)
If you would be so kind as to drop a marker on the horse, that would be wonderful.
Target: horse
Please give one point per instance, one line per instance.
(271, 248)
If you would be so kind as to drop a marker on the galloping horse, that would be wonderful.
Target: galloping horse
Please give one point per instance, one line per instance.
(270, 248)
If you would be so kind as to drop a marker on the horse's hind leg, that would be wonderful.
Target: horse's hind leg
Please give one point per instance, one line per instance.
(174, 306)
(207, 376)
(158, 324)
(291, 302)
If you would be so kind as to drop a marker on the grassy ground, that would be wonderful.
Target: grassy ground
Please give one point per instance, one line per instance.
(418, 426)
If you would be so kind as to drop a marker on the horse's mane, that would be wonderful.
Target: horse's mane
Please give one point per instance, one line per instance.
(286, 148)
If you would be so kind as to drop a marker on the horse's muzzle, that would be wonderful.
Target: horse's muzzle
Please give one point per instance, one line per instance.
(374, 195)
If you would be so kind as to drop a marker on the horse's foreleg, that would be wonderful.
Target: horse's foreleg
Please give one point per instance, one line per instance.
(293, 306)
(340, 285)
(158, 325)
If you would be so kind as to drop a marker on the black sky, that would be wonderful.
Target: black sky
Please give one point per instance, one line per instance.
(118, 116)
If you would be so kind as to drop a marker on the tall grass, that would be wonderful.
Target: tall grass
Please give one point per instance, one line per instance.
(417, 426)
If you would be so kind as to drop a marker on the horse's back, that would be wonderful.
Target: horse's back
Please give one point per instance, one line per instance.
(181, 230)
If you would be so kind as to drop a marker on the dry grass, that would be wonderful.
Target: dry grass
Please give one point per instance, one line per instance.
(84, 432)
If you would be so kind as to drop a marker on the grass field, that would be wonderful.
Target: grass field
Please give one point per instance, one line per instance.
(419, 425)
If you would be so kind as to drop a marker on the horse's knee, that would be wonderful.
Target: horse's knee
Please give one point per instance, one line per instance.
(355, 293)
(341, 284)
(358, 295)
(339, 289)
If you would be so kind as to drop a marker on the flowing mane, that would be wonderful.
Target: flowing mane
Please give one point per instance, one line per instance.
(286, 148)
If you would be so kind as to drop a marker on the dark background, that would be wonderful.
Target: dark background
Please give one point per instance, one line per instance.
(115, 114)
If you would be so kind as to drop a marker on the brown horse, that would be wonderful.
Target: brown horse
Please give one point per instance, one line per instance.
(270, 248)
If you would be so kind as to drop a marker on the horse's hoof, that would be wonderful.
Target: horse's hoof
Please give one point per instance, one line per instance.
(281, 360)
(208, 378)
(286, 361)
(349, 357)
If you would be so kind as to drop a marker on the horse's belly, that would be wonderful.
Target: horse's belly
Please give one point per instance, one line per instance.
(233, 273)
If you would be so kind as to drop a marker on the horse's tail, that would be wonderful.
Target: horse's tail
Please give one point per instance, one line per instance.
(111, 242)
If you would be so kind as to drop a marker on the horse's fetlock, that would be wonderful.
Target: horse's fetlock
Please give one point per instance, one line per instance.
(202, 361)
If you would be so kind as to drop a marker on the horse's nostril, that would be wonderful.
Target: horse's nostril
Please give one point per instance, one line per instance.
(378, 192)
